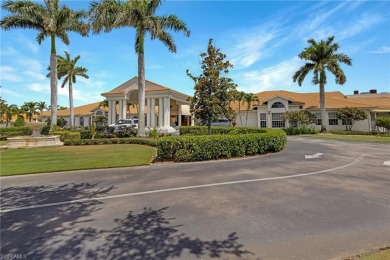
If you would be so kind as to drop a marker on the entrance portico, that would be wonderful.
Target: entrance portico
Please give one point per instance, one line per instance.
(165, 107)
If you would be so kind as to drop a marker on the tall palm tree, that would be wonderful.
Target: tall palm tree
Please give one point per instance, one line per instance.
(9, 111)
(249, 98)
(50, 20)
(67, 68)
(321, 57)
(41, 105)
(30, 108)
(139, 14)
(240, 98)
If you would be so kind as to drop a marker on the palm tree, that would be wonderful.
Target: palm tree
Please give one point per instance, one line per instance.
(111, 14)
(249, 99)
(320, 57)
(240, 98)
(30, 108)
(50, 20)
(67, 68)
(41, 105)
(9, 111)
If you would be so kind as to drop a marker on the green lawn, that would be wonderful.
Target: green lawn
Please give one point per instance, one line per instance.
(383, 254)
(64, 158)
(366, 138)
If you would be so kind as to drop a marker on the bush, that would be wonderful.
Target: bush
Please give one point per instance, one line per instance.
(85, 134)
(219, 130)
(301, 130)
(67, 135)
(19, 122)
(45, 130)
(133, 140)
(212, 147)
(383, 122)
(6, 132)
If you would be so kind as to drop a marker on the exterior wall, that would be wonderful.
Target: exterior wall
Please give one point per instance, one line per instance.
(363, 125)
(252, 119)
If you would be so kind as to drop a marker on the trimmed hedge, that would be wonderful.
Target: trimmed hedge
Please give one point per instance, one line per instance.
(6, 132)
(300, 130)
(220, 130)
(212, 147)
(134, 140)
(344, 132)
(67, 135)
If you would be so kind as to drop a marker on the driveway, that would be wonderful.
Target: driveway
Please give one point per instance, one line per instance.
(317, 199)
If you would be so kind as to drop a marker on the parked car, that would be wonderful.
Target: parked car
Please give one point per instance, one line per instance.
(221, 122)
(125, 123)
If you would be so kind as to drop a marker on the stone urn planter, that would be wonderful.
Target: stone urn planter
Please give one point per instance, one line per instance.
(36, 127)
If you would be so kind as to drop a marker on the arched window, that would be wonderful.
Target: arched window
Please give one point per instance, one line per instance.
(81, 121)
(99, 113)
(277, 105)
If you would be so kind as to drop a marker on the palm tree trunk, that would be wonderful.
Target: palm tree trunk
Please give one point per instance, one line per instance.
(239, 111)
(141, 86)
(53, 81)
(322, 108)
(247, 111)
(71, 104)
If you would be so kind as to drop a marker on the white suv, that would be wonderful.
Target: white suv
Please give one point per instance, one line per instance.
(132, 123)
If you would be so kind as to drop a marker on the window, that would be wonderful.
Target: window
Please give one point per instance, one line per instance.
(318, 115)
(263, 120)
(333, 119)
(99, 113)
(81, 121)
(277, 121)
(277, 105)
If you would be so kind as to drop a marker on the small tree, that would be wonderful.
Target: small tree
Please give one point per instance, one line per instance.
(383, 122)
(349, 115)
(212, 90)
(301, 118)
(61, 122)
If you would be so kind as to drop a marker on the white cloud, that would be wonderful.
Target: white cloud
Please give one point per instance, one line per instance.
(383, 49)
(8, 51)
(30, 64)
(362, 23)
(34, 75)
(9, 73)
(39, 87)
(8, 92)
(275, 77)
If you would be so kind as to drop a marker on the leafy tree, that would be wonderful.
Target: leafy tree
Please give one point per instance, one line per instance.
(50, 20)
(299, 117)
(67, 68)
(110, 14)
(249, 98)
(349, 115)
(19, 121)
(212, 89)
(383, 122)
(8, 112)
(30, 108)
(321, 57)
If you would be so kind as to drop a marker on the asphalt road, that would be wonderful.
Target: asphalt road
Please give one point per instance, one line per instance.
(333, 204)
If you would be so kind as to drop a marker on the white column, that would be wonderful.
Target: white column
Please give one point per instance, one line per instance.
(148, 112)
(113, 111)
(111, 108)
(124, 108)
(167, 112)
(160, 112)
(192, 120)
(153, 113)
(179, 115)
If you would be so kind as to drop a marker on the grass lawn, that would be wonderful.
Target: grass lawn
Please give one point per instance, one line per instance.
(64, 158)
(383, 254)
(366, 138)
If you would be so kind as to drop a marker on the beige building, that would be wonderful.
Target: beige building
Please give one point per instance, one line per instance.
(272, 104)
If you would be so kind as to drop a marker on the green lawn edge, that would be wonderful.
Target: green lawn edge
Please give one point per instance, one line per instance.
(73, 158)
(361, 138)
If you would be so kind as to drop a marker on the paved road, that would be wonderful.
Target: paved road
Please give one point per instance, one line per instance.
(277, 206)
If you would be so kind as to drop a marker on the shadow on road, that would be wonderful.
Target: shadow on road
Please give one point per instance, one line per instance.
(69, 231)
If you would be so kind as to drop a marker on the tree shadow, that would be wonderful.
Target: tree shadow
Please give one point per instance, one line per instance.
(50, 232)
(68, 231)
(150, 235)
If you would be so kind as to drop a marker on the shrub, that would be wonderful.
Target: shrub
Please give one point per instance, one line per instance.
(383, 122)
(300, 130)
(212, 147)
(45, 130)
(344, 132)
(219, 130)
(85, 134)
(67, 135)
(19, 122)
(132, 140)
(6, 132)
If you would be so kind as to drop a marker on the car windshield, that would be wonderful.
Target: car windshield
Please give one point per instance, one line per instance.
(135, 121)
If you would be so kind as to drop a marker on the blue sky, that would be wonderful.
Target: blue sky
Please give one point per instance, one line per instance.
(261, 38)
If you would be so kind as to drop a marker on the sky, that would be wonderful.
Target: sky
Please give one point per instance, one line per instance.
(262, 39)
